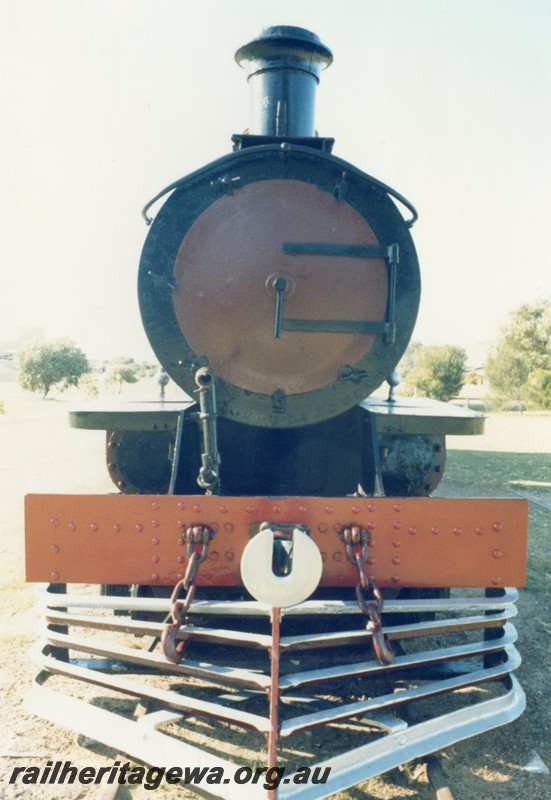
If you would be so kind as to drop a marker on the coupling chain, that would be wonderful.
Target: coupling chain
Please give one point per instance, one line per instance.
(197, 540)
(368, 594)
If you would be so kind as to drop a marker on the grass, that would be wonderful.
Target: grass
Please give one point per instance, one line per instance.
(483, 466)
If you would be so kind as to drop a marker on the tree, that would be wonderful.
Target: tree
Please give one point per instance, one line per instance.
(519, 364)
(507, 371)
(435, 371)
(56, 363)
(537, 389)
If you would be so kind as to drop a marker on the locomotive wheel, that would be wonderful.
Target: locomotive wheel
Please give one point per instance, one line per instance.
(139, 461)
(412, 466)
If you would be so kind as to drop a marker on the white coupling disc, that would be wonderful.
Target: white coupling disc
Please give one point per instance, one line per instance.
(281, 591)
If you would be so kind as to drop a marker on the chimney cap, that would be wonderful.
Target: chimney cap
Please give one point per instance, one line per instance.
(286, 42)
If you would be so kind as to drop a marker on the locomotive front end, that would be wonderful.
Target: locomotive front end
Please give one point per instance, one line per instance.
(273, 563)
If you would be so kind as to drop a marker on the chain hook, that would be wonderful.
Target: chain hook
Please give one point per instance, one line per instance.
(179, 606)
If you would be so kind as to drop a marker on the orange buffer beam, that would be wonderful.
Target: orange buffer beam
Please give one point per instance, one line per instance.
(138, 539)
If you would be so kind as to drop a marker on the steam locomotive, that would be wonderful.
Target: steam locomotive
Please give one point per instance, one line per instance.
(273, 548)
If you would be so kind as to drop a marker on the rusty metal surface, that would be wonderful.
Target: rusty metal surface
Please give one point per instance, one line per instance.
(139, 461)
(424, 542)
(412, 465)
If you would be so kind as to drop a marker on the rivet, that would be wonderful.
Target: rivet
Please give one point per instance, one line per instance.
(337, 556)
(370, 561)
(303, 510)
(72, 526)
(94, 526)
(395, 579)
(276, 509)
(181, 506)
(457, 531)
(197, 508)
(181, 523)
(397, 524)
(355, 509)
(179, 575)
(396, 542)
(223, 509)
(155, 576)
(337, 527)
(496, 580)
(397, 507)
(54, 575)
(229, 556)
(371, 507)
(396, 559)
(180, 542)
(155, 506)
(324, 556)
(412, 531)
(250, 509)
(54, 521)
(371, 543)
(497, 553)
(498, 526)
(55, 548)
(180, 559)
(370, 525)
(155, 540)
(479, 531)
(215, 555)
(329, 509)
(435, 530)
(228, 527)
(139, 527)
(322, 527)
(155, 559)
(154, 523)
(116, 527)
(214, 527)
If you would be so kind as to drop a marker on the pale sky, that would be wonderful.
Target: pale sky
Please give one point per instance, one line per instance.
(104, 102)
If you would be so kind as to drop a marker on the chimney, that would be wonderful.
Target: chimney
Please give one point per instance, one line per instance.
(283, 67)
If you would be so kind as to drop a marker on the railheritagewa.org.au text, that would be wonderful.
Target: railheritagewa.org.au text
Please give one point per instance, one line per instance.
(65, 772)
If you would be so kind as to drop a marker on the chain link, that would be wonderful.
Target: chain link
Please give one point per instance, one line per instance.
(356, 541)
(179, 606)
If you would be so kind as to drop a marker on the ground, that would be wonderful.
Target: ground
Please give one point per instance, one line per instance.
(41, 453)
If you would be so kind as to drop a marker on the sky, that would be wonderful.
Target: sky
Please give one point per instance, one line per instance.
(105, 102)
